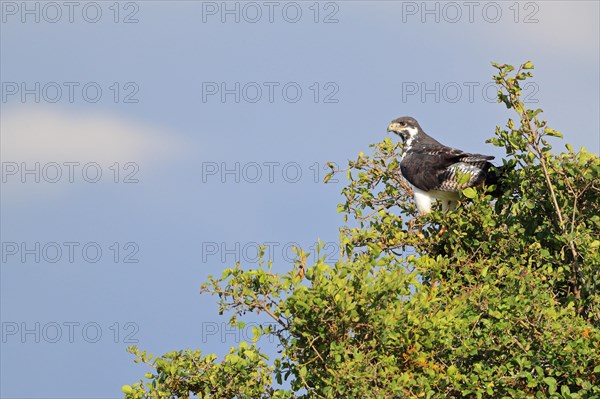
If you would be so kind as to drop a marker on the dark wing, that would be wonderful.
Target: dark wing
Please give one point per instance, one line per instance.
(443, 168)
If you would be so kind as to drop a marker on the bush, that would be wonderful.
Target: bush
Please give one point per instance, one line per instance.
(503, 302)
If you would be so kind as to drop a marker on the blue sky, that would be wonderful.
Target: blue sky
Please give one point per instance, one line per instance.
(149, 178)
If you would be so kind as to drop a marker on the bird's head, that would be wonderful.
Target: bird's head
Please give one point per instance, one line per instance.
(405, 127)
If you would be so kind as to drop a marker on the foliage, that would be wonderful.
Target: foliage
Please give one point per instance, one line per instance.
(503, 302)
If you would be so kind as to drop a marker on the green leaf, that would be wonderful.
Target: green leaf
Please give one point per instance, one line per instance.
(303, 371)
(551, 382)
(533, 113)
(470, 192)
(484, 271)
(255, 333)
(553, 133)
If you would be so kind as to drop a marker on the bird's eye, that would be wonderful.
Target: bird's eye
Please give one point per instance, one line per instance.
(402, 123)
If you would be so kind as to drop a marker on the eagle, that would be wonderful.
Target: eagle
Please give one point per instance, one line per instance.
(435, 171)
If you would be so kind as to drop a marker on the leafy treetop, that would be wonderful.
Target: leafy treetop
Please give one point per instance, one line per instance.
(504, 304)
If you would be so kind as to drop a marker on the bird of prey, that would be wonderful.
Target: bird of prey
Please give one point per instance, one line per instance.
(436, 171)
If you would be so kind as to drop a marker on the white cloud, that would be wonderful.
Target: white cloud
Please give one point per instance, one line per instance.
(570, 25)
(49, 134)
(46, 139)
(559, 28)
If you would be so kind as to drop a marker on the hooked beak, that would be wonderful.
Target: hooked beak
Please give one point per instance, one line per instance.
(395, 127)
